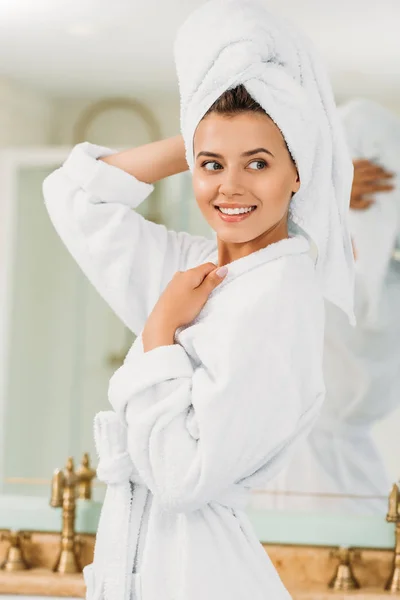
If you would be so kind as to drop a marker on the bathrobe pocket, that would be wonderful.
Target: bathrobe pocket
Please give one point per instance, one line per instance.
(94, 590)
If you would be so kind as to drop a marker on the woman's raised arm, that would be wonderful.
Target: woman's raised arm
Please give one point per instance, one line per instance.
(127, 258)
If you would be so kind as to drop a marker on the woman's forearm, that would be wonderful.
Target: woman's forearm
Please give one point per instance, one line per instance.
(152, 162)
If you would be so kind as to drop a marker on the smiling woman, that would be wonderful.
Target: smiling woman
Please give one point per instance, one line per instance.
(226, 372)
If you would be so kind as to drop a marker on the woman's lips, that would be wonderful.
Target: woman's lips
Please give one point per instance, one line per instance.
(234, 218)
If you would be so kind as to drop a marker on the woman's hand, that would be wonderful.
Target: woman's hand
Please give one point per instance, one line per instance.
(180, 303)
(368, 179)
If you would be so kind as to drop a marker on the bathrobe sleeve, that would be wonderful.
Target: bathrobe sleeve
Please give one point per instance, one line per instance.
(373, 132)
(127, 258)
(196, 429)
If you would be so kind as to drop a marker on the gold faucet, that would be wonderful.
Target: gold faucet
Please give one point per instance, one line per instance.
(65, 484)
(393, 516)
(15, 560)
(344, 578)
(85, 475)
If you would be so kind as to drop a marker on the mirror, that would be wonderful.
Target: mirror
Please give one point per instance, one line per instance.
(60, 342)
(352, 456)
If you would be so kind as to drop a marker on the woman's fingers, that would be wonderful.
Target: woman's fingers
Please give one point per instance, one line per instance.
(370, 171)
(214, 278)
(374, 175)
(381, 187)
(362, 163)
(371, 188)
(361, 203)
(198, 274)
(368, 180)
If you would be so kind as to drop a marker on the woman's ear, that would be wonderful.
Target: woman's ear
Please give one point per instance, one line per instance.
(296, 185)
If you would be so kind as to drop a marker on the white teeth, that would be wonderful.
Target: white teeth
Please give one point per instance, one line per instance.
(235, 211)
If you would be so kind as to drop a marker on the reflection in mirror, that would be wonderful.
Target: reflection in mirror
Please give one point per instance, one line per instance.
(352, 456)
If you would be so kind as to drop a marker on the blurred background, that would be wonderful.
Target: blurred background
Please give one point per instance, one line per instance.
(103, 71)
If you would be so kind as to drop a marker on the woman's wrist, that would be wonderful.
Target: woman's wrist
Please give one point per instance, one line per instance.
(157, 334)
(152, 162)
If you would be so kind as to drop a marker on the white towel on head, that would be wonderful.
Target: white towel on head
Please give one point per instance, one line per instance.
(225, 43)
(373, 133)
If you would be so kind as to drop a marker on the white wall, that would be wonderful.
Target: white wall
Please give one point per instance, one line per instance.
(30, 117)
(25, 115)
(66, 112)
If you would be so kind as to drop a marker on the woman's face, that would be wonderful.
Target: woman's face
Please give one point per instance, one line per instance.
(242, 164)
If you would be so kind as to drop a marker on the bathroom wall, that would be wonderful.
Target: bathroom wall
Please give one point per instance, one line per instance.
(25, 115)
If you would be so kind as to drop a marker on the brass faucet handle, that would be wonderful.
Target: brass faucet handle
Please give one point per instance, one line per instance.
(393, 515)
(84, 470)
(57, 488)
(5, 536)
(393, 584)
(85, 476)
(14, 537)
(344, 578)
(23, 536)
(71, 477)
(345, 554)
(342, 554)
(15, 560)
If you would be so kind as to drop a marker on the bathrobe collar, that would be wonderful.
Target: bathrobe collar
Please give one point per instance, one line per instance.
(289, 246)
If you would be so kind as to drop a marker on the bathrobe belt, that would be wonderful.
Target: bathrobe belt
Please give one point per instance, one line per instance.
(123, 507)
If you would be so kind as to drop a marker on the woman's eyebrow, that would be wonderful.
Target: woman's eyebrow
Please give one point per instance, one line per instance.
(256, 151)
(247, 153)
(209, 154)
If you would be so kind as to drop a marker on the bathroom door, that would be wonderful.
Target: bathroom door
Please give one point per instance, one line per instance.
(59, 337)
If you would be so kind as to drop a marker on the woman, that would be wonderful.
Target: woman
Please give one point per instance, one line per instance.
(226, 372)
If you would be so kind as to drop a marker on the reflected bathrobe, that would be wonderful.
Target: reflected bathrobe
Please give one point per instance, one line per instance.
(199, 423)
(361, 364)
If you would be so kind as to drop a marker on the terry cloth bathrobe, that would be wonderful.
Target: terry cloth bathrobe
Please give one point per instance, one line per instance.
(361, 364)
(197, 424)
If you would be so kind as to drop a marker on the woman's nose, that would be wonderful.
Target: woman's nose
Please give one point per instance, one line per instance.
(231, 185)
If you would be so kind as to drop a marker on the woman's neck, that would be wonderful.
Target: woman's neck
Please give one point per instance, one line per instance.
(228, 252)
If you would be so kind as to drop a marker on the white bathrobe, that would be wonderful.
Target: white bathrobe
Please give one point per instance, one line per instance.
(206, 419)
(361, 364)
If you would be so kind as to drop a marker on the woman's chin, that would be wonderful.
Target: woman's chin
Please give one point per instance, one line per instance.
(230, 236)
(233, 233)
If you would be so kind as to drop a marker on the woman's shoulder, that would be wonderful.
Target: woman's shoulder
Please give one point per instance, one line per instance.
(279, 291)
(299, 290)
(285, 296)
(291, 276)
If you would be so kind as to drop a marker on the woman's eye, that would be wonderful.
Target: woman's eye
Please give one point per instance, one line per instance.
(212, 166)
(259, 165)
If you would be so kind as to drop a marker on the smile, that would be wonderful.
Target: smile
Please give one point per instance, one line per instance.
(233, 215)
